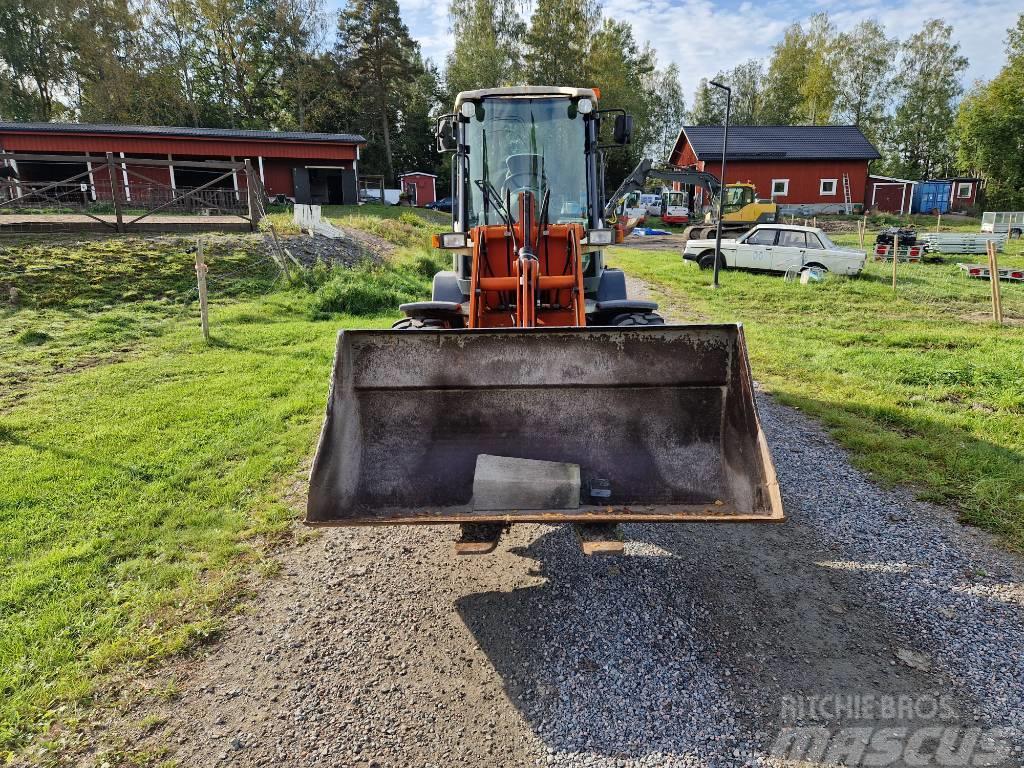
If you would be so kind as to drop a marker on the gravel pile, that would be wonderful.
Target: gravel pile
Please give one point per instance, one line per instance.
(348, 251)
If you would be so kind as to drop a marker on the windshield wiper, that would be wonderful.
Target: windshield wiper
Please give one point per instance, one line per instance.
(493, 199)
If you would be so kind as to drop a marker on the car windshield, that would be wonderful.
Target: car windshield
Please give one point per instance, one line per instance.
(531, 145)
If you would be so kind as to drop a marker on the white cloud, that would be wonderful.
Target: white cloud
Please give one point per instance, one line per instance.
(702, 37)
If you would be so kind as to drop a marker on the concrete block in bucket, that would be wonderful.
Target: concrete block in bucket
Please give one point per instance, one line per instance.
(505, 482)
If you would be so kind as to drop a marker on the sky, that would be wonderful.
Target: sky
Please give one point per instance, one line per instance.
(703, 38)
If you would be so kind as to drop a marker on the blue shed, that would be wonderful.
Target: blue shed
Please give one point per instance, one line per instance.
(930, 196)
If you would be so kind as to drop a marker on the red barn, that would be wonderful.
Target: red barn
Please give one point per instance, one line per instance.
(805, 168)
(305, 167)
(420, 187)
(889, 194)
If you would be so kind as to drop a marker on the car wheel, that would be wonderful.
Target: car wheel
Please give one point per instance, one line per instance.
(707, 261)
(816, 265)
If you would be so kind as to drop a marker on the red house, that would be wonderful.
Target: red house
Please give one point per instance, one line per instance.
(805, 168)
(420, 187)
(305, 167)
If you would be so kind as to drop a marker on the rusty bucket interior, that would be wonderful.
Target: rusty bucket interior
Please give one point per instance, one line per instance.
(662, 416)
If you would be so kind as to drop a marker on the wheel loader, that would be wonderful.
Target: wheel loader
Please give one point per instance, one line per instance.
(533, 387)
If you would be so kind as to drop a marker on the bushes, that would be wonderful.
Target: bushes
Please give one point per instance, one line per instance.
(371, 289)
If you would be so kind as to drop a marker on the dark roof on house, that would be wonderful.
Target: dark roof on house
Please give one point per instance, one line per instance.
(164, 131)
(780, 142)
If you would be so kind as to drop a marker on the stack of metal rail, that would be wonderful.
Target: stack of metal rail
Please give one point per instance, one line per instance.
(960, 242)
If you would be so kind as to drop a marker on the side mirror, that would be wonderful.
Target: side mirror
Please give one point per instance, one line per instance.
(447, 140)
(623, 129)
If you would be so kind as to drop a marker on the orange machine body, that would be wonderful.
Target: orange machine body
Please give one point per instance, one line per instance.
(542, 288)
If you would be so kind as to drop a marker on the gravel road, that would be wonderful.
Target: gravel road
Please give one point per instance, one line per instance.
(378, 647)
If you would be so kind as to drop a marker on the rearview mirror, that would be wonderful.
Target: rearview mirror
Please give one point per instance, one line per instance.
(447, 141)
(623, 129)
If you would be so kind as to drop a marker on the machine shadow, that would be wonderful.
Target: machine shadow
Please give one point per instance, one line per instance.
(698, 631)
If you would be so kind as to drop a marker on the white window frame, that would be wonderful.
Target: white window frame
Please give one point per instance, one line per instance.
(821, 187)
(785, 187)
(960, 190)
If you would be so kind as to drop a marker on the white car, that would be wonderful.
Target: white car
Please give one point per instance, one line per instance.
(778, 248)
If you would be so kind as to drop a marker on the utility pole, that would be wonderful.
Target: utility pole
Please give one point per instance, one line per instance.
(721, 193)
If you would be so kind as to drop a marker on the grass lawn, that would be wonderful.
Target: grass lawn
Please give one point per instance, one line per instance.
(142, 471)
(919, 385)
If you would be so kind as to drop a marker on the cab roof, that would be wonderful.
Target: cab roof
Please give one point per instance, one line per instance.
(525, 90)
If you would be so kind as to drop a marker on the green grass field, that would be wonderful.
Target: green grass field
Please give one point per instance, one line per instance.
(144, 473)
(919, 384)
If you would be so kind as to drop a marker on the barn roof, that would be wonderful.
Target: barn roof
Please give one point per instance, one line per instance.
(164, 131)
(779, 142)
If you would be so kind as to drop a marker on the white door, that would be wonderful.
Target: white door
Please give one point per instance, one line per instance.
(791, 250)
(755, 252)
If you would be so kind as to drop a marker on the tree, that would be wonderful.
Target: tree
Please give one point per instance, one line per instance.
(746, 81)
(377, 59)
(818, 87)
(668, 111)
(990, 128)
(488, 40)
(787, 70)
(558, 41)
(864, 72)
(621, 70)
(36, 54)
(708, 103)
(927, 85)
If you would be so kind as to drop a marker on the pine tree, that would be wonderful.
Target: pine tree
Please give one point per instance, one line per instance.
(377, 58)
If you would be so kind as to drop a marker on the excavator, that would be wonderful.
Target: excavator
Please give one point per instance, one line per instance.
(533, 387)
(741, 210)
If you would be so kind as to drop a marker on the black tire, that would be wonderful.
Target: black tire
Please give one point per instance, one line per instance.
(1015, 234)
(707, 261)
(638, 318)
(417, 324)
(688, 233)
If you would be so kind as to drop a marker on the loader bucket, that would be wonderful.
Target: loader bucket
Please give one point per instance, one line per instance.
(664, 414)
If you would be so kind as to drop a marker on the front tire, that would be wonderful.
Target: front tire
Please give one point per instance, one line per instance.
(638, 318)
(418, 324)
(707, 261)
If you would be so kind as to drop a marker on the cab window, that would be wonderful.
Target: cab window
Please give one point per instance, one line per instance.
(762, 237)
(792, 238)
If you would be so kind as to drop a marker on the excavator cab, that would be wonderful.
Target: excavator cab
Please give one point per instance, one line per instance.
(532, 386)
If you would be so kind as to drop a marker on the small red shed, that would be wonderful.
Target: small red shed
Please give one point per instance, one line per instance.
(889, 194)
(964, 193)
(420, 187)
(804, 168)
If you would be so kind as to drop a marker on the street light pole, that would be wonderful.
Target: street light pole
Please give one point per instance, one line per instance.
(721, 190)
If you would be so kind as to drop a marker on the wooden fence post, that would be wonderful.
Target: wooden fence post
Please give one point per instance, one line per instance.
(201, 270)
(895, 257)
(250, 194)
(114, 196)
(993, 278)
(938, 223)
